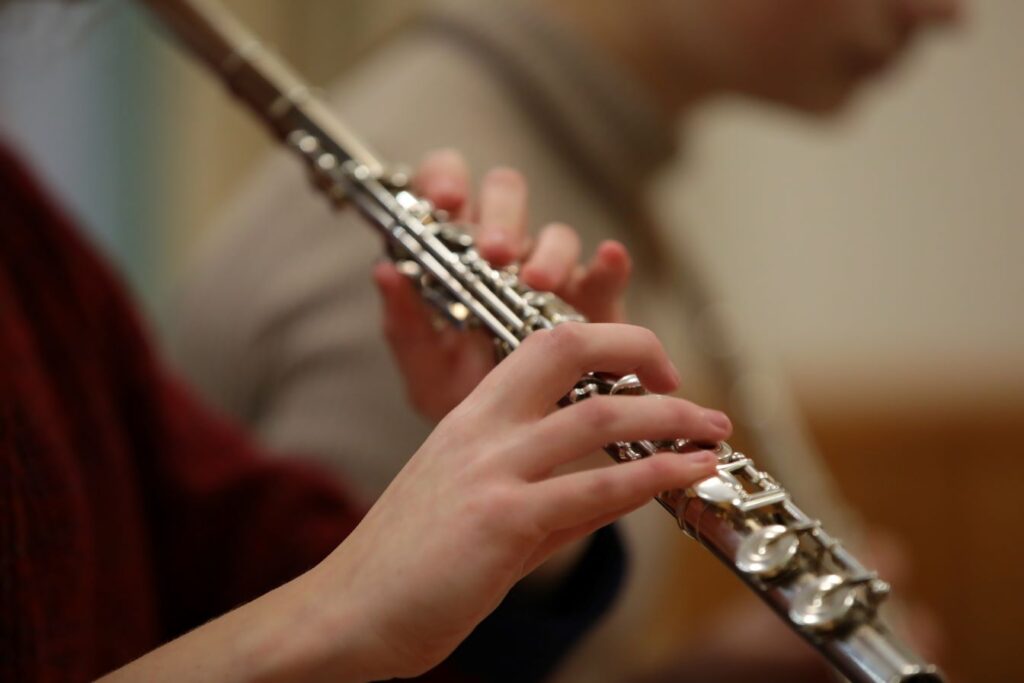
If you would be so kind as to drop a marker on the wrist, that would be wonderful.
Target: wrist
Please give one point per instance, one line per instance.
(322, 634)
(290, 634)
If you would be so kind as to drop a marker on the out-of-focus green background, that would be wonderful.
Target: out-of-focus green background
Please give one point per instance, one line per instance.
(142, 145)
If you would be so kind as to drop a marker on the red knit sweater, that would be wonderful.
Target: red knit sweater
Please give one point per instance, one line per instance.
(129, 514)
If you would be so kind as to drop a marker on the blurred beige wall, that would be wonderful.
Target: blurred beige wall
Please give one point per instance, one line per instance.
(881, 251)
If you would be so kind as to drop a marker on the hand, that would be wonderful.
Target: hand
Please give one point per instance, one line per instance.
(479, 505)
(476, 508)
(441, 366)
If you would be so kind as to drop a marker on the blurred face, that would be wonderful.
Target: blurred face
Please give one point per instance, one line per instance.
(811, 54)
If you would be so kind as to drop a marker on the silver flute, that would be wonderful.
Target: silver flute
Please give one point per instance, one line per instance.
(742, 515)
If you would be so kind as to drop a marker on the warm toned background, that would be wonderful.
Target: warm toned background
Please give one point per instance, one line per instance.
(877, 258)
(880, 259)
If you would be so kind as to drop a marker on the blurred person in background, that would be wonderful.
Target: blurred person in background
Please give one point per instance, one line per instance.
(131, 515)
(584, 97)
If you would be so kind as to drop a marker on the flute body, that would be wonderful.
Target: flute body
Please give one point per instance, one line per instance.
(742, 515)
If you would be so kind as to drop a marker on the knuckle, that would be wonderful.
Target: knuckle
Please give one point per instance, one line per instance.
(499, 508)
(682, 412)
(501, 501)
(559, 346)
(605, 485)
(539, 343)
(485, 506)
(599, 412)
(566, 338)
(661, 468)
(567, 344)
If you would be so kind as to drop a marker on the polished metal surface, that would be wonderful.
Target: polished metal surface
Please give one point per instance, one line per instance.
(768, 551)
(742, 515)
(824, 604)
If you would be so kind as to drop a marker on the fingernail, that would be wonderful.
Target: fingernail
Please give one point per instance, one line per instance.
(676, 377)
(719, 419)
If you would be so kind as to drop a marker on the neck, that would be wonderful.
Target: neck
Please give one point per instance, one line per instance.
(634, 38)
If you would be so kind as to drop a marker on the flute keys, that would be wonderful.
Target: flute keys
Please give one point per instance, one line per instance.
(629, 385)
(628, 453)
(767, 552)
(409, 268)
(824, 604)
(453, 237)
(718, 492)
(583, 390)
(723, 450)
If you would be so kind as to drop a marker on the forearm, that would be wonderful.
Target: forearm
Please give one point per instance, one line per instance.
(285, 635)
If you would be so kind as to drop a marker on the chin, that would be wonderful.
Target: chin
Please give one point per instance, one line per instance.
(824, 102)
(818, 95)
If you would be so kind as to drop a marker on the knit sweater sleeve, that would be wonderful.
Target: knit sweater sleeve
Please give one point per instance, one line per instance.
(174, 513)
